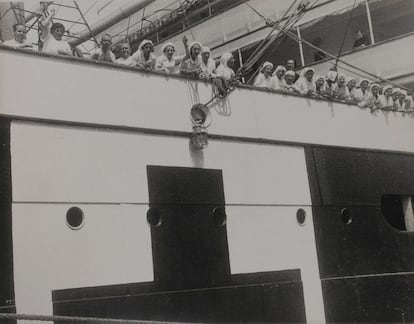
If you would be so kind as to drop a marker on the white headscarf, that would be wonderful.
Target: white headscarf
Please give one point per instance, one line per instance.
(205, 49)
(164, 47)
(306, 70)
(265, 65)
(143, 43)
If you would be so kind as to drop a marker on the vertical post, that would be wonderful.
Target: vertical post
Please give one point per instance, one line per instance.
(241, 62)
(371, 30)
(407, 208)
(302, 57)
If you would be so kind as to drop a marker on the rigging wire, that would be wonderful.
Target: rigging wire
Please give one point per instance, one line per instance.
(289, 22)
(345, 34)
(375, 77)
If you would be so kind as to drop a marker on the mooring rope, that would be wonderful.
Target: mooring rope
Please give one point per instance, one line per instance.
(70, 319)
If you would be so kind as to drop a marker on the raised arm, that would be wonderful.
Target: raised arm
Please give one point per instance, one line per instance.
(45, 23)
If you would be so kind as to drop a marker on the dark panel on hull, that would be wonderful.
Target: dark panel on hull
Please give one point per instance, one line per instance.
(367, 245)
(6, 248)
(354, 241)
(189, 246)
(382, 299)
(251, 298)
(354, 177)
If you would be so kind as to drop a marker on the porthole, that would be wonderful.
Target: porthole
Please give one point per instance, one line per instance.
(154, 217)
(75, 218)
(301, 216)
(219, 216)
(346, 216)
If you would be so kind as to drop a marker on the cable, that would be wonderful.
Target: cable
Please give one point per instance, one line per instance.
(346, 32)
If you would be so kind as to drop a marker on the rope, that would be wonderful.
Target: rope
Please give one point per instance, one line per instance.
(346, 32)
(288, 24)
(70, 319)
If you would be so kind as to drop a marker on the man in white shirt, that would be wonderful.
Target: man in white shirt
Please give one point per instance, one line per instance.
(52, 38)
(19, 40)
(104, 53)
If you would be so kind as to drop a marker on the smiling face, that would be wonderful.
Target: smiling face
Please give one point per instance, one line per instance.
(289, 79)
(106, 42)
(309, 75)
(147, 49)
(290, 65)
(57, 32)
(267, 71)
(19, 33)
(341, 80)
(375, 90)
(280, 73)
(125, 50)
(320, 82)
(351, 84)
(364, 85)
(195, 50)
(169, 52)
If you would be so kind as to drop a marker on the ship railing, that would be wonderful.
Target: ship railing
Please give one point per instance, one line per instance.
(10, 317)
(179, 76)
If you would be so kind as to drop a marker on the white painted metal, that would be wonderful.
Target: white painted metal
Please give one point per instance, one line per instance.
(79, 91)
(104, 173)
(72, 164)
(113, 247)
(376, 59)
(269, 238)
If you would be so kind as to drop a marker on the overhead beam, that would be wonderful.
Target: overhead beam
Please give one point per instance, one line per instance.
(117, 16)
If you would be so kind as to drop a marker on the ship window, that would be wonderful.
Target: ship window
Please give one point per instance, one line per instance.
(391, 18)
(75, 218)
(398, 211)
(346, 216)
(154, 217)
(301, 216)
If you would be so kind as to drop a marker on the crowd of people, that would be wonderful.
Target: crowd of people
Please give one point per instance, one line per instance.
(362, 92)
(196, 61)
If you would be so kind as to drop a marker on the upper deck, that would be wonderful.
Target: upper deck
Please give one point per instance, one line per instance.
(47, 88)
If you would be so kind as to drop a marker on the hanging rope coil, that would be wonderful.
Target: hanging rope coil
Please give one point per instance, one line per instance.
(221, 87)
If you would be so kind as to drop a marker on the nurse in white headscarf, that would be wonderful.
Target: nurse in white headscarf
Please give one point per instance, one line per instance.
(208, 65)
(168, 61)
(386, 100)
(144, 57)
(305, 84)
(278, 80)
(264, 78)
(225, 70)
(362, 93)
(191, 65)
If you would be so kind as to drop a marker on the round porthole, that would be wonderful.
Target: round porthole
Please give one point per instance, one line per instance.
(301, 216)
(346, 216)
(219, 216)
(75, 218)
(154, 217)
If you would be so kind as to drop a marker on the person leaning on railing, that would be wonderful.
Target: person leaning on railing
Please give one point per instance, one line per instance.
(168, 62)
(51, 36)
(264, 78)
(104, 53)
(19, 40)
(191, 65)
